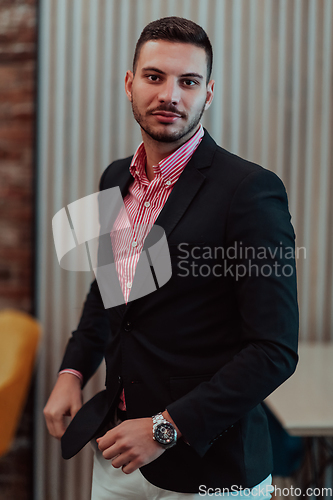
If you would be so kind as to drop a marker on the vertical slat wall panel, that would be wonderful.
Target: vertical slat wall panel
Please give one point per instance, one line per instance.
(42, 382)
(281, 85)
(251, 79)
(309, 230)
(236, 72)
(294, 162)
(266, 83)
(324, 220)
(272, 105)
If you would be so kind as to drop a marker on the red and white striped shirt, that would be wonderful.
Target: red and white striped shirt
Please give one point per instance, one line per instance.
(143, 204)
(141, 207)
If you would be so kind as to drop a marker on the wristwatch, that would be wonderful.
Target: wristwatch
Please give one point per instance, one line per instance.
(164, 432)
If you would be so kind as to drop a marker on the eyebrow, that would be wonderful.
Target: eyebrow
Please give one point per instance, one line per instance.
(185, 75)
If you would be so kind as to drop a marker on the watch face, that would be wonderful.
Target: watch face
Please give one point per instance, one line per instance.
(165, 433)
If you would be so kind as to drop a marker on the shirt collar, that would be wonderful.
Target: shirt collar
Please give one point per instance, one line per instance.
(170, 167)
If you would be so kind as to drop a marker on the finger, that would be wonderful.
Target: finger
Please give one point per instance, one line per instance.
(50, 427)
(107, 440)
(55, 423)
(122, 460)
(112, 452)
(75, 408)
(118, 461)
(55, 430)
(130, 467)
(59, 428)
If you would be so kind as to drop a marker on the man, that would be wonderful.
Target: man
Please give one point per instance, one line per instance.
(201, 353)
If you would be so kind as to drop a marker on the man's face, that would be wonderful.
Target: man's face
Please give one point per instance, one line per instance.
(169, 92)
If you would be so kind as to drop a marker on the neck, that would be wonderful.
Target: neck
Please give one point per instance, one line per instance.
(156, 150)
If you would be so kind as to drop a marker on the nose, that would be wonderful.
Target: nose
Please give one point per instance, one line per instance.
(169, 92)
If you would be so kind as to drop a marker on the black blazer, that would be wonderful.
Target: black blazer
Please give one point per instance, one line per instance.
(209, 346)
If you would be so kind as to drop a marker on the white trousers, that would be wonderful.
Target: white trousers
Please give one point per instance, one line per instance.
(113, 484)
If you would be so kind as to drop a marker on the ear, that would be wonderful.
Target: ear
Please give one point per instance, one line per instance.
(209, 93)
(128, 84)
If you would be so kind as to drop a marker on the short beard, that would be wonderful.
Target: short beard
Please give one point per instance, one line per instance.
(163, 136)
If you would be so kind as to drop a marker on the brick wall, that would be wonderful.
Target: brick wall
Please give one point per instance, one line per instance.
(18, 34)
(17, 120)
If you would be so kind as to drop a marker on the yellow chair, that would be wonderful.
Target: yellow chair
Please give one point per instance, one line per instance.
(19, 336)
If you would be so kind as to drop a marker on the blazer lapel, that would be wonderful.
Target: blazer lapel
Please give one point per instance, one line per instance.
(187, 186)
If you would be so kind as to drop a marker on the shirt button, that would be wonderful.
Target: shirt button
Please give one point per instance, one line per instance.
(168, 183)
(128, 326)
(134, 244)
(147, 204)
(129, 284)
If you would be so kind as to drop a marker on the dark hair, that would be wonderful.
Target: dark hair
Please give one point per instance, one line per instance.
(176, 29)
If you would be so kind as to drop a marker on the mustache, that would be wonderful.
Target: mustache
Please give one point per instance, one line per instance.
(169, 108)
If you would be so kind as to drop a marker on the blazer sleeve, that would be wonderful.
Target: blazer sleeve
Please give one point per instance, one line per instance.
(85, 348)
(267, 302)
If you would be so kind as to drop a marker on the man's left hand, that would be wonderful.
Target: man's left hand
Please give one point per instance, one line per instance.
(130, 445)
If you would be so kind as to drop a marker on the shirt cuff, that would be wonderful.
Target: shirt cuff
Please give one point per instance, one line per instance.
(73, 372)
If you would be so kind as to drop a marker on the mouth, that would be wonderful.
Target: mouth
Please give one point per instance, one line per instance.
(166, 116)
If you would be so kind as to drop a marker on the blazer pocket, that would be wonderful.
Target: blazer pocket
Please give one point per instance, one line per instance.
(179, 386)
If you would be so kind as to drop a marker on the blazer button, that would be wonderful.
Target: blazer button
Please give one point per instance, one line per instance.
(128, 326)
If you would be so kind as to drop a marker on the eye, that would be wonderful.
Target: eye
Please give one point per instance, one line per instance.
(153, 78)
(189, 83)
